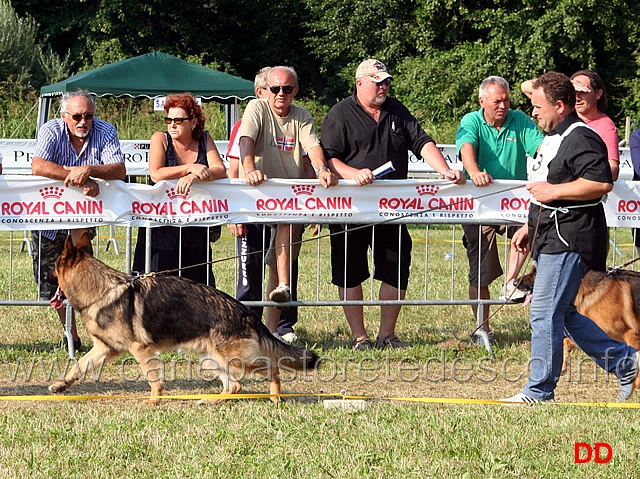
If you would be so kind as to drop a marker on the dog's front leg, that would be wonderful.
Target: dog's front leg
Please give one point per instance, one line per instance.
(96, 358)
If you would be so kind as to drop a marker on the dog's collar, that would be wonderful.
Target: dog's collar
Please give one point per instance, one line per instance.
(135, 278)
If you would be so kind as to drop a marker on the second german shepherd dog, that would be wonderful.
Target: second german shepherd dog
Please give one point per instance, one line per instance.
(611, 300)
(163, 313)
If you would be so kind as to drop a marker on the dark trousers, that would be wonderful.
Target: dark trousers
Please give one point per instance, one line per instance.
(252, 249)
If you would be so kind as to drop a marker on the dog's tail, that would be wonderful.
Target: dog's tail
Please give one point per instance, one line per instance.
(287, 355)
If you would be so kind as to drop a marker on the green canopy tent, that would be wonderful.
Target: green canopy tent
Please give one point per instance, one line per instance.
(153, 75)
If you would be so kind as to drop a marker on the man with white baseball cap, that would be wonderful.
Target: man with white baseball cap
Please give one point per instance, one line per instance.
(360, 134)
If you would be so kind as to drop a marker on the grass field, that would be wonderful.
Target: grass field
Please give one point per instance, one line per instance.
(299, 437)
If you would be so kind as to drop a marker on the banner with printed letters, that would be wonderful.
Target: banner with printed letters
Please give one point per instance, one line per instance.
(31, 202)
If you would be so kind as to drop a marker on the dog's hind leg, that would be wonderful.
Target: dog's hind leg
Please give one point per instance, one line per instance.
(230, 384)
(567, 347)
(152, 369)
(94, 358)
(274, 384)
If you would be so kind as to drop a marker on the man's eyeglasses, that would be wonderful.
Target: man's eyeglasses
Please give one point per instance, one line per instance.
(177, 120)
(79, 116)
(286, 89)
(383, 83)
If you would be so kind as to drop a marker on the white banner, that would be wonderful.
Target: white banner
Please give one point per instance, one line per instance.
(32, 202)
(16, 158)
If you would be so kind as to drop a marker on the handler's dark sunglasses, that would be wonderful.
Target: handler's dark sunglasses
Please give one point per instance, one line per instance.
(286, 89)
(78, 116)
(178, 120)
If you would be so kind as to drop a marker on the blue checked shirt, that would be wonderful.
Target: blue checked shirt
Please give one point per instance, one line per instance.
(101, 148)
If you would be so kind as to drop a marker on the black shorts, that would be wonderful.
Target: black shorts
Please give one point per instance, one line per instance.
(388, 243)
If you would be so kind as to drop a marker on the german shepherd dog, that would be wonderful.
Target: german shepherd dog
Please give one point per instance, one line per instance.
(163, 313)
(611, 300)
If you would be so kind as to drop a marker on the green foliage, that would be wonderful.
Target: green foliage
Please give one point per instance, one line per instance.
(18, 46)
(441, 49)
(438, 50)
(23, 59)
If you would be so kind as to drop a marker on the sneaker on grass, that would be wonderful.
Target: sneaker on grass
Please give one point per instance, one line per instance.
(282, 294)
(522, 398)
(290, 337)
(510, 292)
(627, 381)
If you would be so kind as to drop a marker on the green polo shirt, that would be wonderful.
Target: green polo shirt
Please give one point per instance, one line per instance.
(500, 153)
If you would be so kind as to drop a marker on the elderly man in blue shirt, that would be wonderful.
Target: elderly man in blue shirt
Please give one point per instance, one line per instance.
(73, 149)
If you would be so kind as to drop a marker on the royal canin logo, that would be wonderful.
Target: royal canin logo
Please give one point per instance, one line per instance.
(430, 190)
(303, 190)
(174, 207)
(51, 205)
(173, 194)
(51, 192)
(304, 200)
(423, 202)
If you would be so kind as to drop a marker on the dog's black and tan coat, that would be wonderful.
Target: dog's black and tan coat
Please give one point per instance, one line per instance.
(166, 313)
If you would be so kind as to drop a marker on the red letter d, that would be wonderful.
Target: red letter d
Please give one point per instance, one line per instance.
(599, 459)
(577, 452)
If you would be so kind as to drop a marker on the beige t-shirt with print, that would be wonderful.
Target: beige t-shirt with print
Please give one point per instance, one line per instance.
(280, 143)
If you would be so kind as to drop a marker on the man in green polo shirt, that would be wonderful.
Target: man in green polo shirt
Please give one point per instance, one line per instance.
(493, 143)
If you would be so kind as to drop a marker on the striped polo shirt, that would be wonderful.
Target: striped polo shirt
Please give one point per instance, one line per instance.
(101, 148)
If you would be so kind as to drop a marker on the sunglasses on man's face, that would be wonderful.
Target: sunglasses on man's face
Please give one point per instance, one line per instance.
(286, 89)
(177, 120)
(79, 116)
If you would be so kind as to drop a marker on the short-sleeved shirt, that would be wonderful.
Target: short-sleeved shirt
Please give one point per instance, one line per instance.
(353, 136)
(280, 142)
(101, 148)
(501, 153)
(608, 132)
(233, 151)
(570, 151)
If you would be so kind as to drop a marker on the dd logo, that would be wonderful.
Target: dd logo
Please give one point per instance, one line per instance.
(590, 453)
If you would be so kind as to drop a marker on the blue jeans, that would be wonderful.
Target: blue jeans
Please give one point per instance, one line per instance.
(553, 314)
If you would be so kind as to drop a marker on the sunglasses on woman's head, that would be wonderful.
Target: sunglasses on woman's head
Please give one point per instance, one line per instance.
(177, 120)
(286, 89)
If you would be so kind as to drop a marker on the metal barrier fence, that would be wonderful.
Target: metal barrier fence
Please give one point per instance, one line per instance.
(438, 273)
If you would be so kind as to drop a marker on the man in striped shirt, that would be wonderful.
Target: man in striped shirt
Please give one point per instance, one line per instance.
(72, 149)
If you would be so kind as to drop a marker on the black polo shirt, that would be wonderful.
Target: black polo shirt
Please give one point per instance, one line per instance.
(572, 153)
(350, 134)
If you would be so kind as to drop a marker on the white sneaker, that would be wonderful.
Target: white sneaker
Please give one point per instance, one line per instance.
(510, 292)
(290, 337)
(282, 294)
(278, 337)
(522, 398)
(627, 382)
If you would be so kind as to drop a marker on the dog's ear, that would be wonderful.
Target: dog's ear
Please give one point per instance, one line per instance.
(84, 243)
(69, 248)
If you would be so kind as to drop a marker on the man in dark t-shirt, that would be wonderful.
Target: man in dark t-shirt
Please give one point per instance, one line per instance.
(360, 134)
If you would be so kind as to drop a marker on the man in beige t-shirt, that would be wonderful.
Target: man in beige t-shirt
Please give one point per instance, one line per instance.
(274, 136)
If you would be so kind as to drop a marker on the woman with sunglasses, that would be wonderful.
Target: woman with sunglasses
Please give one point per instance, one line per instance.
(187, 153)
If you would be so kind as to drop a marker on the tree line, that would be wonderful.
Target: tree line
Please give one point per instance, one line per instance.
(437, 50)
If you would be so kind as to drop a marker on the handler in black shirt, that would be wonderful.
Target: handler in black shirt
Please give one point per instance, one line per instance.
(567, 235)
(360, 134)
